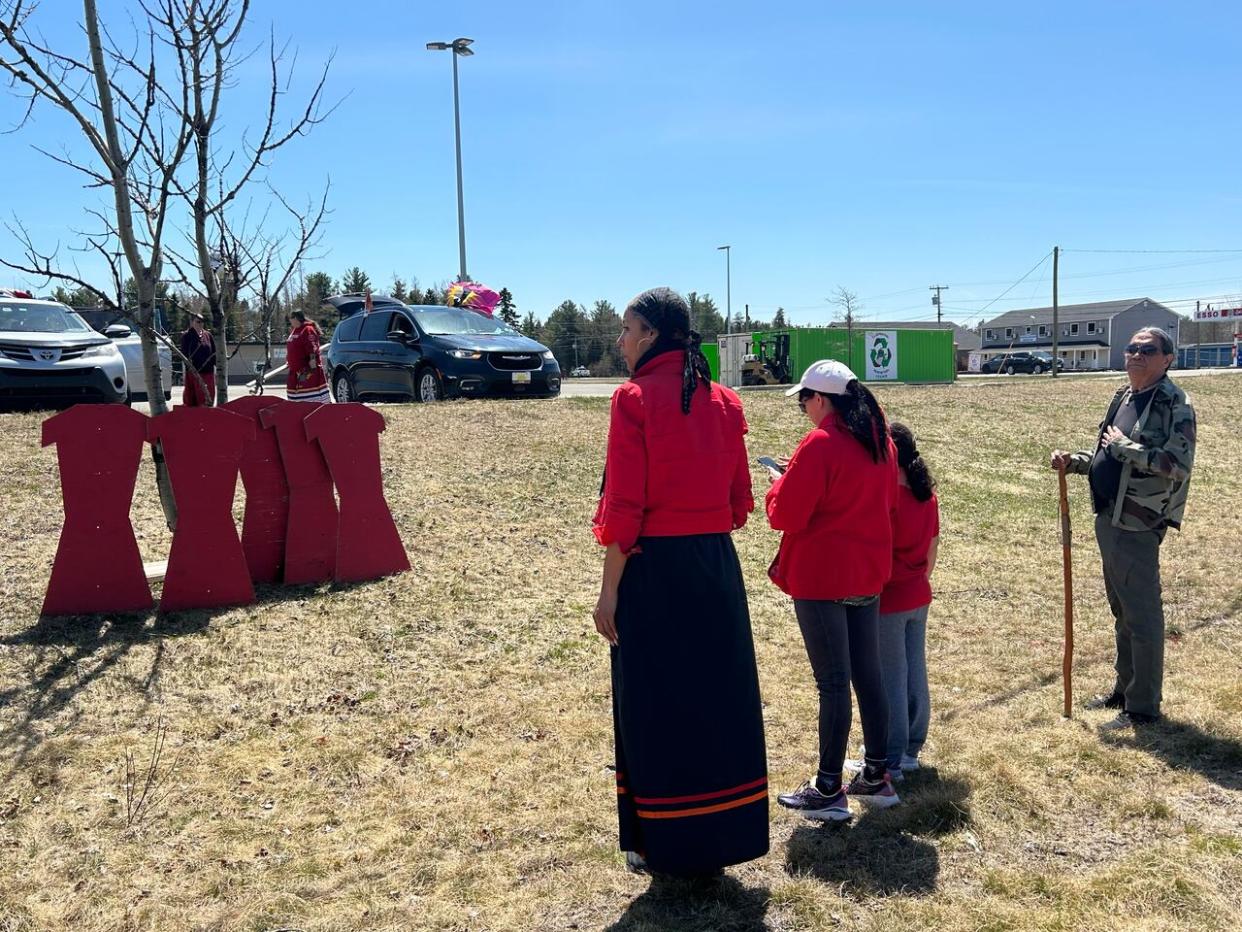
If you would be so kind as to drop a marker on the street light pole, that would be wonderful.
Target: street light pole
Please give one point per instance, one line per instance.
(457, 47)
(728, 251)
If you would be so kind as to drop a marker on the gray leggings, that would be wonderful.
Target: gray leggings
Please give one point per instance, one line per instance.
(903, 661)
(843, 645)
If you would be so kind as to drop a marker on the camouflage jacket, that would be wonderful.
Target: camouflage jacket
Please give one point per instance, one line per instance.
(1156, 459)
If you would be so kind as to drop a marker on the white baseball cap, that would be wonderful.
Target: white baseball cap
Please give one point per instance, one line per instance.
(827, 376)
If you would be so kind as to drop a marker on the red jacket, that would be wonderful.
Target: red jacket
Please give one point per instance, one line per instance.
(915, 525)
(834, 506)
(671, 474)
(302, 355)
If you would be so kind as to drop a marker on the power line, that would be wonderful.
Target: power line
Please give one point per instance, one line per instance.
(1017, 283)
(1154, 251)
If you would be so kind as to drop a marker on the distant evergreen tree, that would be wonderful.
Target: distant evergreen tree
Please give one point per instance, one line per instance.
(507, 309)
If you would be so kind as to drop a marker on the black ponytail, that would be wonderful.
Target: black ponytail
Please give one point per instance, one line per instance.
(864, 418)
(696, 371)
(908, 458)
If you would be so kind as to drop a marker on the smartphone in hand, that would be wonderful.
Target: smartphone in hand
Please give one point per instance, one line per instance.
(769, 463)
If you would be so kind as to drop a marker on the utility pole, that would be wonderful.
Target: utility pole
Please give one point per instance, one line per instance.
(1056, 328)
(936, 299)
(748, 317)
(728, 251)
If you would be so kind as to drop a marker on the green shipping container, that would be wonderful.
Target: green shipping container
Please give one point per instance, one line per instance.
(712, 352)
(921, 355)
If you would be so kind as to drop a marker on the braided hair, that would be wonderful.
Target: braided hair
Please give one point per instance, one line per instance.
(864, 418)
(909, 459)
(667, 312)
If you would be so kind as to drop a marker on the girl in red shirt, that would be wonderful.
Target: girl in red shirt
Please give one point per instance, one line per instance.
(306, 380)
(691, 765)
(833, 505)
(904, 603)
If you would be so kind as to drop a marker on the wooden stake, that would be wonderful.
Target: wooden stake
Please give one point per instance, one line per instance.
(1067, 660)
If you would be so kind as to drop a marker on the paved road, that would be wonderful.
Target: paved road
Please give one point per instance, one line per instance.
(603, 388)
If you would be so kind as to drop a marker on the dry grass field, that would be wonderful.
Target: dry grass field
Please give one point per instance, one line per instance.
(431, 751)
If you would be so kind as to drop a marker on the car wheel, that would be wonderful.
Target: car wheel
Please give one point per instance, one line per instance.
(1039, 370)
(428, 386)
(342, 390)
(1009, 370)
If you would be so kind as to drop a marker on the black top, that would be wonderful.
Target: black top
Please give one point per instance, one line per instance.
(201, 351)
(1105, 472)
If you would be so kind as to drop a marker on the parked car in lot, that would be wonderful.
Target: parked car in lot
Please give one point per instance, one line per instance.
(123, 333)
(49, 357)
(1011, 363)
(427, 353)
(581, 372)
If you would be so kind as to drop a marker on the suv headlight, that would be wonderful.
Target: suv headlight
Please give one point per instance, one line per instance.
(547, 354)
(103, 349)
(465, 354)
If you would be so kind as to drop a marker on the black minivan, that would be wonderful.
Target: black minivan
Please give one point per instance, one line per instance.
(432, 352)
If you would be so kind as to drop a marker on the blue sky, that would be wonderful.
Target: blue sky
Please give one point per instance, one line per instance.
(610, 147)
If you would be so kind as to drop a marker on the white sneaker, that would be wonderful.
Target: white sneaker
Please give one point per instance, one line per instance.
(854, 767)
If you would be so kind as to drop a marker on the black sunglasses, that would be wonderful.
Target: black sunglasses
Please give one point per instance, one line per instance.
(1142, 349)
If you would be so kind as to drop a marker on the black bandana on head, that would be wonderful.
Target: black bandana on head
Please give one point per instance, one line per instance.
(667, 311)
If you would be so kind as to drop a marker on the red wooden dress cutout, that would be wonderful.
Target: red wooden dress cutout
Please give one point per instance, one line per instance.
(310, 538)
(267, 494)
(368, 544)
(203, 447)
(98, 567)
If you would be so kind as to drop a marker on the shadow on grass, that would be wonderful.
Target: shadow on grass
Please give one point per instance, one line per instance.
(881, 854)
(1042, 680)
(68, 654)
(687, 905)
(1184, 746)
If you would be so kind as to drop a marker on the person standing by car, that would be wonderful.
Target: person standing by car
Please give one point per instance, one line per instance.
(833, 504)
(904, 604)
(199, 351)
(306, 380)
(691, 763)
(1139, 474)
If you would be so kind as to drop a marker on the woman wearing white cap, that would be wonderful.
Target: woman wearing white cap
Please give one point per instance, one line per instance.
(833, 504)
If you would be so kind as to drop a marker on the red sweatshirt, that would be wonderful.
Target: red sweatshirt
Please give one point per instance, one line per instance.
(670, 474)
(834, 506)
(915, 525)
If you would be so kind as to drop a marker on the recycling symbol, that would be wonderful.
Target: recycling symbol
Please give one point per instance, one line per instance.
(881, 354)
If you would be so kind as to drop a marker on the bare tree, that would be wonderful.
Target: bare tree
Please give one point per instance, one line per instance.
(206, 36)
(138, 144)
(847, 302)
(136, 140)
(273, 264)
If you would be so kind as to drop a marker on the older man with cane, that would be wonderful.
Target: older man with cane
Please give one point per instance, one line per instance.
(1139, 473)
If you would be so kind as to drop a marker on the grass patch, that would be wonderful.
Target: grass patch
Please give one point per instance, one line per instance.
(431, 751)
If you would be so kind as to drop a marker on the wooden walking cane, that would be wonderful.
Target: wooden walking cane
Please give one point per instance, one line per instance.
(1067, 661)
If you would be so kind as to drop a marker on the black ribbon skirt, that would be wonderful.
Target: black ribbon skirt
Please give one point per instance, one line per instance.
(692, 784)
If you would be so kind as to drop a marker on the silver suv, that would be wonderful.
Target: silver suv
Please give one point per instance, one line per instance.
(123, 333)
(50, 357)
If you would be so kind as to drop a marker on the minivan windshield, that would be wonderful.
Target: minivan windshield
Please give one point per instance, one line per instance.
(453, 320)
(40, 318)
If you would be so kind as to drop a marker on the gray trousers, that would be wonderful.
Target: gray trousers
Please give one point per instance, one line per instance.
(1132, 580)
(903, 665)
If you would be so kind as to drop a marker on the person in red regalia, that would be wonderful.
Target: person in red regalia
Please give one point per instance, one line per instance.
(306, 380)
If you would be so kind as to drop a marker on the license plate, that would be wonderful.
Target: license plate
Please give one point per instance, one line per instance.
(521, 378)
